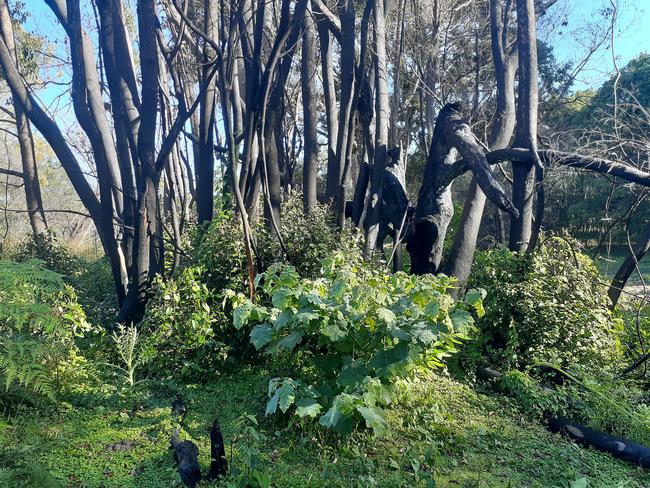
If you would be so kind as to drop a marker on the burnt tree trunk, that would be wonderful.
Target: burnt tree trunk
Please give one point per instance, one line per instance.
(628, 267)
(523, 175)
(464, 246)
(451, 135)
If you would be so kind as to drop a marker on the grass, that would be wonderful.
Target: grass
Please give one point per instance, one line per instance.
(442, 430)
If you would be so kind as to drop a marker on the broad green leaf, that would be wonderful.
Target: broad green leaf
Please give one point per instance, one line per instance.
(386, 315)
(261, 335)
(377, 393)
(474, 298)
(308, 407)
(331, 417)
(287, 394)
(461, 320)
(280, 298)
(400, 334)
(290, 341)
(332, 331)
(374, 418)
(283, 319)
(352, 372)
(272, 404)
(240, 314)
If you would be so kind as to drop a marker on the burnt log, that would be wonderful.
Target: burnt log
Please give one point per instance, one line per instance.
(618, 447)
(218, 463)
(186, 455)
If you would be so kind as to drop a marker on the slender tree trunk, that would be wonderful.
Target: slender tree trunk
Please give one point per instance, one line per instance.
(464, 246)
(331, 110)
(33, 197)
(205, 164)
(382, 113)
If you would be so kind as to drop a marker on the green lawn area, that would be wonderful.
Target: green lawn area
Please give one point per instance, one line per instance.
(440, 429)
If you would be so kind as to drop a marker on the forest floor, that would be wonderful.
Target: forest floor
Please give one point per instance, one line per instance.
(441, 430)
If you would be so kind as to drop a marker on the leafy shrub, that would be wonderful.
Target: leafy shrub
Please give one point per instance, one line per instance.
(40, 321)
(548, 306)
(95, 288)
(308, 238)
(47, 249)
(355, 330)
(187, 327)
(186, 320)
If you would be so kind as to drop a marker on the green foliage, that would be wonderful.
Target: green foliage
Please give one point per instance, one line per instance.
(248, 469)
(184, 322)
(600, 402)
(131, 351)
(632, 95)
(47, 249)
(308, 238)
(548, 306)
(96, 291)
(357, 330)
(40, 321)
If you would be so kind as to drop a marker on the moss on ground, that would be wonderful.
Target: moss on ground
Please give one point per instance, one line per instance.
(441, 430)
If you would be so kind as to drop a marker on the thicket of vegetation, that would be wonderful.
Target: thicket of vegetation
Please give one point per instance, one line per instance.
(353, 243)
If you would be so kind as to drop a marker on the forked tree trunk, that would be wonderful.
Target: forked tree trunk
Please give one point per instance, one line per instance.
(434, 211)
(523, 176)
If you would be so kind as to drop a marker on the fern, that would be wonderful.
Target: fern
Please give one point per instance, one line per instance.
(28, 363)
(40, 320)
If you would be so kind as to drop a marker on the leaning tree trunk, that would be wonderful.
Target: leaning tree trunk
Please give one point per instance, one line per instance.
(25, 140)
(629, 266)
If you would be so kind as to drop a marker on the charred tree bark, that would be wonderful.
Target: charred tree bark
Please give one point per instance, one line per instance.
(523, 175)
(464, 246)
(205, 164)
(382, 113)
(434, 211)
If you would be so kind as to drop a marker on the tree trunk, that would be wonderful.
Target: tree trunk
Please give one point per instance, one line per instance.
(33, 197)
(382, 113)
(523, 176)
(310, 120)
(628, 267)
(331, 110)
(464, 246)
(205, 164)
(434, 209)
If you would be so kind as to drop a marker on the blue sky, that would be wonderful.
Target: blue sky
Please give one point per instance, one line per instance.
(632, 35)
(583, 17)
